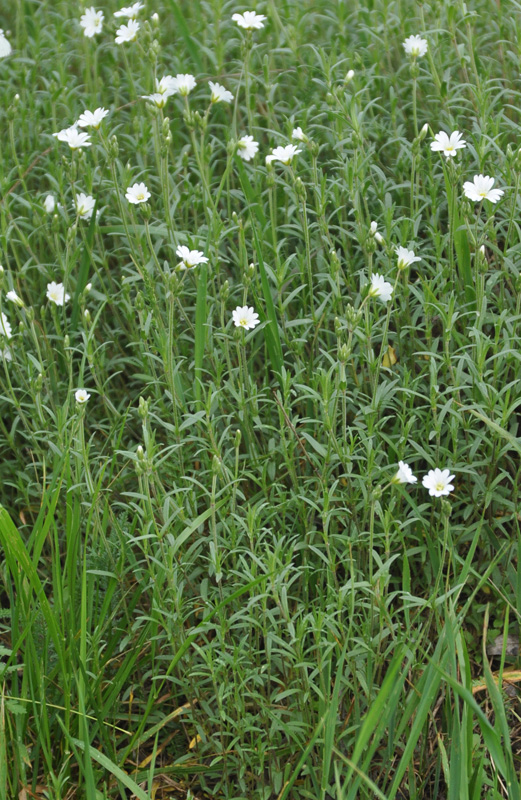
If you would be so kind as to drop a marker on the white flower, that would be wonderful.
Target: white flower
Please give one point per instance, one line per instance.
(405, 257)
(373, 231)
(156, 98)
(184, 83)
(165, 88)
(167, 85)
(415, 46)
(92, 119)
(299, 134)
(350, 75)
(438, 482)
(6, 354)
(13, 298)
(130, 12)
(128, 32)
(189, 258)
(5, 328)
(138, 193)
(480, 188)
(448, 145)
(92, 22)
(380, 288)
(249, 20)
(49, 203)
(81, 396)
(247, 148)
(404, 474)
(5, 47)
(284, 154)
(84, 205)
(245, 317)
(219, 93)
(56, 293)
(74, 138)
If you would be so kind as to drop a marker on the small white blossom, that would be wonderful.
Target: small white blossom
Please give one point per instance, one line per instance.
(5, 47)
(350, 75)
(167, 85)
(406, 257)
(56, 293)
(165, 88)
(283, 154)
(249, 20)
(156, 98)
(247, 148)
(184, 83)
(81, 396)
(92, 22)
(14, 298)
(49, 203)
(84, 205)
(299, 134)
(480, 188)
(373, 228)
(415, 46)
(189, 258)
(130, 12)
(92, 119)
(244, 317)
(219, 93)
(438, 482)
(404, 474)
(128, 32)
(138, 193)
(448, 145)
(74, 138)
(380, 288)
(5, 328)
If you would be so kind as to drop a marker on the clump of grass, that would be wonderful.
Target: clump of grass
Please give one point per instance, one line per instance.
(259, 453)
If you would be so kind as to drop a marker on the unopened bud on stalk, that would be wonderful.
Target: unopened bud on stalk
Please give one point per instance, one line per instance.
(353, 317)
(343, 354)
(143, 408)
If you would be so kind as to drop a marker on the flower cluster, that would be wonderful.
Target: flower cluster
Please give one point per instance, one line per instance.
(437, 481)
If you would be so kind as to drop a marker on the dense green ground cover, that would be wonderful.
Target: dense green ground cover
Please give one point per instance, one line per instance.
(210, 583)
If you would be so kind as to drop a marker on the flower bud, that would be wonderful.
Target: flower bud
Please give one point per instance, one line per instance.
(446, 509)
(343, 353)
(146, 211)
(353, 317)
(113, 148)
(143, 408)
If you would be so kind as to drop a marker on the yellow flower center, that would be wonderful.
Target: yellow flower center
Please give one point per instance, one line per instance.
(482, 194)
(440, 487)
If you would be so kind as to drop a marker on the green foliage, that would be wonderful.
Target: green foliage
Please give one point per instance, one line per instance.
(210, 582)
